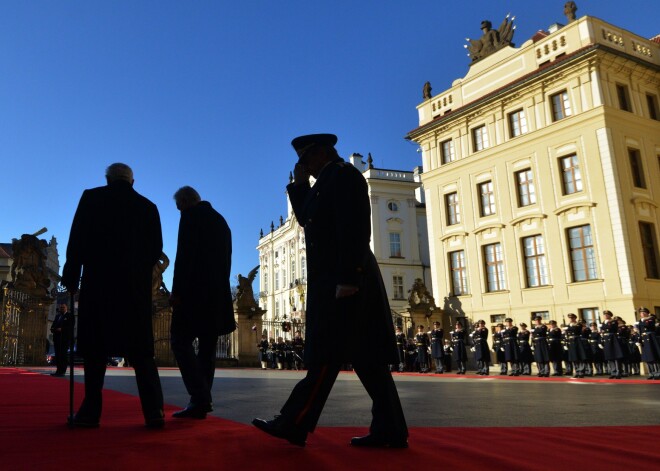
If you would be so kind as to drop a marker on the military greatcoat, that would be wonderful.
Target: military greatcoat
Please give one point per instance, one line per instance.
(335, 213)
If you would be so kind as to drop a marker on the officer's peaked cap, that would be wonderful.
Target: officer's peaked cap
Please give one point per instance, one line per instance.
(302, 144)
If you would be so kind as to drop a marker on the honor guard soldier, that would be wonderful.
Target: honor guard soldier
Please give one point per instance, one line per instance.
(446, 359)
(510, 344)
(480, 346)
(596, 346)
(263, 349)
(647, 326)
(577, 356)
(422, 344)
(437, 351)
(498, 349)
(612, 348)
(411, 354)
(555, 348)
(540, 347)
(585, 335)
(623, 333)
(635, 356)
(298, 350)
(526, 357)
(401, 348)
(460, 353)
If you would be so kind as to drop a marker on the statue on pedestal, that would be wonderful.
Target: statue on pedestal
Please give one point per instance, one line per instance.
(491, 40)
(28, 271)
(244, 294)
(420, 295)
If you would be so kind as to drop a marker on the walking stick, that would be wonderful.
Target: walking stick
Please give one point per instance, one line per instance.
(70, 420)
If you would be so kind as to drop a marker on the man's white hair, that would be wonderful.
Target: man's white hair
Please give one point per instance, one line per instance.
(119, 171)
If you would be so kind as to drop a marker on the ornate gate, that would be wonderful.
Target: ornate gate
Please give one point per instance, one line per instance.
(23, 322)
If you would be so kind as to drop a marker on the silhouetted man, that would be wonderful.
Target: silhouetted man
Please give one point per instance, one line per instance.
(344, 288)
(116, 241)
(201, 297)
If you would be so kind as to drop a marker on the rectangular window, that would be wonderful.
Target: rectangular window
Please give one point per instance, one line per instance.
(544, 315)
(303, 267)
(517, 123)
(397, 285)
(650, 248)
(589, 314)
(561, 107)
(458, 273)
(571, 176)
(266, 282)
(536, 267)
(447, 150)
(652, 103)
(395, 244)
(583, 256)
(526, 189)
(277, 280)
(293, 270)
(497, 318)
(283, 278)
(480, 138)
(636, 168)
(452, 208)
(624, 98)
(494, 261)
(486, 199)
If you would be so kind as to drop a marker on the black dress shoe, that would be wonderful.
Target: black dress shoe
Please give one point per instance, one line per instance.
(155, 423)
(84, 422)
(191, 412)
(280, 428)
(371, 441)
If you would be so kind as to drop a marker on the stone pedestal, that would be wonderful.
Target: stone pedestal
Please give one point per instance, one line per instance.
(248, 334)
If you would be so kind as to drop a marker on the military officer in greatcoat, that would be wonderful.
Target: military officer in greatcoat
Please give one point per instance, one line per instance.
(585, 335)
(510, 344)
(555, 348)
(634, 342)
(422, 344)
(458, 338)
(344, 286)
(623, 333)
(480, 346)
(540, 346)
(61, 330)
(437, 351)
(650, 344)
(298, 350)
(448, 351)
(612, 347)
(263, 349)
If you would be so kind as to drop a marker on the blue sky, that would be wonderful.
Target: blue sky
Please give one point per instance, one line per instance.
(210, 94)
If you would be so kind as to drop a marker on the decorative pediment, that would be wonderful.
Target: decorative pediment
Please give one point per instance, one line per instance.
(642, 202)
(454, 236)
(574, 207)
(528, 219)
(496, 227)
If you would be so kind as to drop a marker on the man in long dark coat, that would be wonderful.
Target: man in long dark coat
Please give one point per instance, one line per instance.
(437, 350)
(540, 344)
(612, 347)
(201, 297)
(510, 344)
(344, 288)
(116, 241)
(480, 346)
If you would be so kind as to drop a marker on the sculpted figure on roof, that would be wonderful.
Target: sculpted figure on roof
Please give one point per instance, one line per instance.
(491, 40)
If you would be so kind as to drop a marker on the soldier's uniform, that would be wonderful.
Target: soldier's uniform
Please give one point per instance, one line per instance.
(460, 353)
(481, 351)
(511, 351)
(623, 333)
(446, 359)
(555, 349)
(411, 355)
(401, 350)
(298, 352)
(422, 344)
(585, 335)
(498, 349)
(525, 349)
(437, 351)
(596, 347)
(263, 352)
(635, 356)
(577, 356)
(612, 348)
(541, 350)
(647, 326)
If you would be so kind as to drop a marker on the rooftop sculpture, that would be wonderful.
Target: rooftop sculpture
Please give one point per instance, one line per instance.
(491, 40)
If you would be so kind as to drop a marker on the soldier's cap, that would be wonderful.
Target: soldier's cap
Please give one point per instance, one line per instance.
(481, 321)
(593, 323)
(436, 323)
(553, 322)
(607, 313)
(538, 318)
(643, 309)
(420, 327)
(508, 319)
(303, 144)
(522, 324)
(571, 315)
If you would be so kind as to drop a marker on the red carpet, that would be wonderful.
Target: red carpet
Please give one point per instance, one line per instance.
(33, 409)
